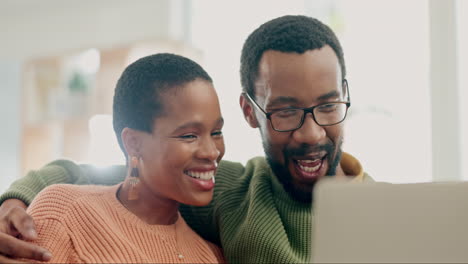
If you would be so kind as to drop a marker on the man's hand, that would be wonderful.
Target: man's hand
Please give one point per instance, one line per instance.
(16, 225)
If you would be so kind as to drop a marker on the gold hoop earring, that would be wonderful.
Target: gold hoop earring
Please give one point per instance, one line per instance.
(134, 179)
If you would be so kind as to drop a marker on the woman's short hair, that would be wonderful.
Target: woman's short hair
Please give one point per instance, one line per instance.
(137, 99)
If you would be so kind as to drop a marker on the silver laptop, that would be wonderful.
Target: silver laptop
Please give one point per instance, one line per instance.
(390, 223)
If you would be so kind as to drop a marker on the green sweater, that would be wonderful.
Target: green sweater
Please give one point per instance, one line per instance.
(251, 215)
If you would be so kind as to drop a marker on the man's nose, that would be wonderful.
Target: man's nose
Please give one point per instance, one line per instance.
(310, 132)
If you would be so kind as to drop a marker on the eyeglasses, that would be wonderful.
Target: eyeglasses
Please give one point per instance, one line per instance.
(292, 118)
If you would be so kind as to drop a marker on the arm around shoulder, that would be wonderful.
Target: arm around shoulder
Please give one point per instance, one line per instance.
(59, 171)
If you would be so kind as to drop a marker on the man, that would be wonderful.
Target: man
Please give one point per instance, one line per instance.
(295, 91)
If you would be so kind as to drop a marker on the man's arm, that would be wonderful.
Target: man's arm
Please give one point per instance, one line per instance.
(16, 224)
(201, 220)
(204, 219)
(61, 171)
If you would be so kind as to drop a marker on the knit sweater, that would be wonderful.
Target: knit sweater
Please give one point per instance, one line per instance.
(251, 216)
(87, 224)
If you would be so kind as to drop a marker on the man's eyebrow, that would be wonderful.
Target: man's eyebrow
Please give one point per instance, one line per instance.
(293, 100)
(332, 94)
(282, 100)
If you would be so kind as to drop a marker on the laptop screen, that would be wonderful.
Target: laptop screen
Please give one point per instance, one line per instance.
(397, 223)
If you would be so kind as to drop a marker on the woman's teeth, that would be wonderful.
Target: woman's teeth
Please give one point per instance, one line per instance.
(207, 175)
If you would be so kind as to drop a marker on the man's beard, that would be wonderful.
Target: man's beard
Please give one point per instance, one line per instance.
(283, 174)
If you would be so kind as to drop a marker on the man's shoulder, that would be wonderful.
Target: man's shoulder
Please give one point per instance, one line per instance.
(367, 178)
(228, 165)
(234, 180)
(253, 162)
(234, 171)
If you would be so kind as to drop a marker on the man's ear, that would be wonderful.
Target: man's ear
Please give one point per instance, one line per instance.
(131, 140)
(249, 113)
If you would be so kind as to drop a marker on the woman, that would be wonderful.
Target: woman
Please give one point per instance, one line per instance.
(168, 123)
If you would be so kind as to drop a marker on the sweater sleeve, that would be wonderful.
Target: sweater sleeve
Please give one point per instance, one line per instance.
(61, 171)
(49, 211)
(53, 236)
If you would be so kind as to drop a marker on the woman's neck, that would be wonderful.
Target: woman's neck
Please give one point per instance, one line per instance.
(149, 207)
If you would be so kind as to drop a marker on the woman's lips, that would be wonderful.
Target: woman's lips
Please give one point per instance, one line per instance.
(202, 175)
(203, 178)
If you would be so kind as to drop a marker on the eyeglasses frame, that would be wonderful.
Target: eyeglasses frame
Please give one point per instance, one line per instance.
(306, 110)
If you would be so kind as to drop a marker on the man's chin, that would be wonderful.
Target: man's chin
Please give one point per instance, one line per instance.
(302, 192)
(298, 187)
(298, 192)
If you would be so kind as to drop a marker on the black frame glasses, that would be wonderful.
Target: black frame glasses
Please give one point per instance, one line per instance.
(306, 111)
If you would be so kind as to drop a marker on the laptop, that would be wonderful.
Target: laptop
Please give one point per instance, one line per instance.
(390, 223)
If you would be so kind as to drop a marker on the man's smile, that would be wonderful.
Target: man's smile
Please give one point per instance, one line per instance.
(309, 168)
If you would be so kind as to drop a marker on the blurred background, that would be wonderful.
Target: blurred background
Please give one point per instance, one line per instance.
(407, 66)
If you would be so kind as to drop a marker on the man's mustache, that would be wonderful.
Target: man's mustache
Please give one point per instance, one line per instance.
(305, 149)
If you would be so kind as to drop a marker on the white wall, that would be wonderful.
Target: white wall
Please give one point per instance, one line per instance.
(446, 143)
(386, 47)
(10, 133)
(462, 19)
(48, 27)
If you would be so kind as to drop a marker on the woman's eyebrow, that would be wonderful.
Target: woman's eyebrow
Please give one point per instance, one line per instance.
(192, 124)
(196, 124)
(220, 121)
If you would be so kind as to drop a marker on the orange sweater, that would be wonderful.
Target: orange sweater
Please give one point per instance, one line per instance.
(88, 224)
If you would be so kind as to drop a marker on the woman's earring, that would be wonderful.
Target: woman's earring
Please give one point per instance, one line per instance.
(134, 179)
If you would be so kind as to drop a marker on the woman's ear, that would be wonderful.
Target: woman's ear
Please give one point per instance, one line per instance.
(131, 140)
(249, 113)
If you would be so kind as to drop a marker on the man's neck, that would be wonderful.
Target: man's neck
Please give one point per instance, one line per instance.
(340, 173)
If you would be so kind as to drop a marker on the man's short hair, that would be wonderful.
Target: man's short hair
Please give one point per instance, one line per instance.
(137, 101)
(286, 34)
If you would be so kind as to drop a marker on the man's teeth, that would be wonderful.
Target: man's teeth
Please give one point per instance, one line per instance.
(308, 168)
(207, 175)
(309, 161)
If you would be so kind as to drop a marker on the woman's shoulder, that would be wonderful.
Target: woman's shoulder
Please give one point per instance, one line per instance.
(56, 200)
(207, 252)
(70, 192)
(217, 251)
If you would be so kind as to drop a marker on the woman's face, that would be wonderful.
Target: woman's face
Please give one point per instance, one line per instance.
(179, 159)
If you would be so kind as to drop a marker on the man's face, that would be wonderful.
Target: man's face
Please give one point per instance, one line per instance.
(301, 157)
